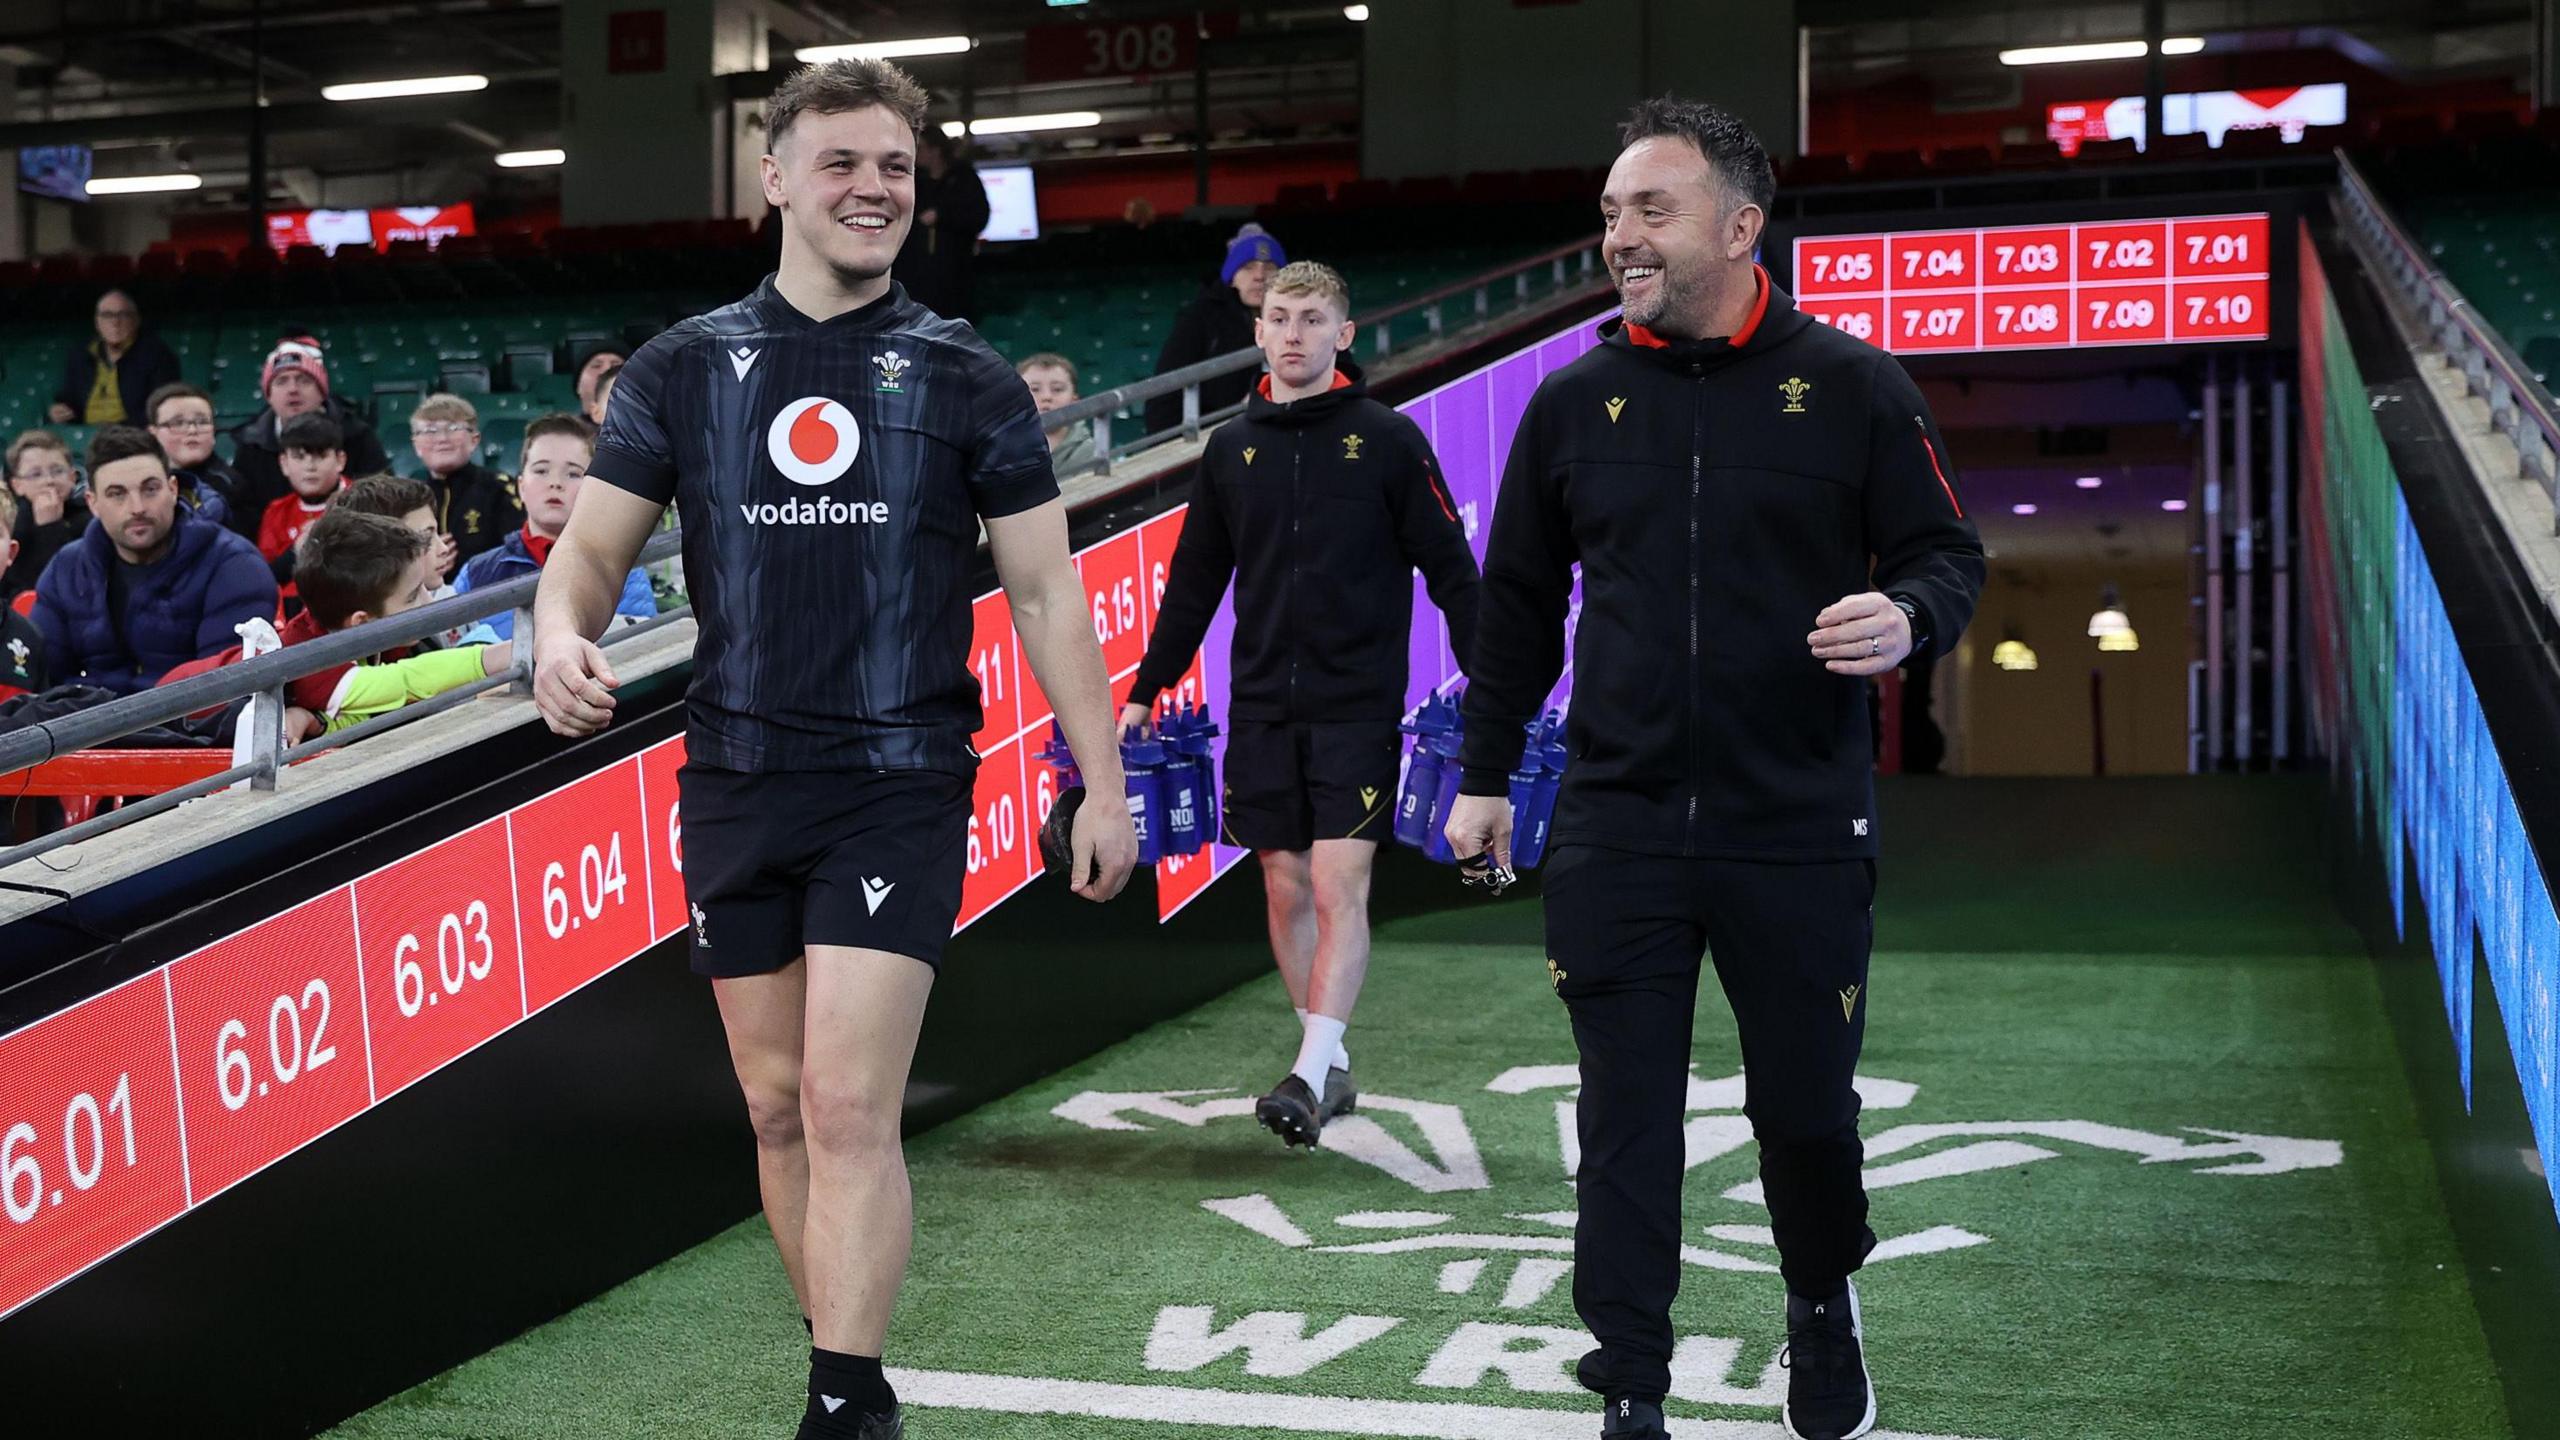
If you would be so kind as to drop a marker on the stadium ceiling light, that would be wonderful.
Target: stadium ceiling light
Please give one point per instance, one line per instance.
(395, 89)
(1023, 124)
(2089, 482)
(2173, 506)
(885, 49)
(1355, 13)
(2099, 50)
(2023, 507)
(145, 184)
(2013, 654)
(2120, 642)
(2110, 619)
(525, 159)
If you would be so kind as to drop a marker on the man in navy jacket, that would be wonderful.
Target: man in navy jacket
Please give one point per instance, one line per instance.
(151, 584)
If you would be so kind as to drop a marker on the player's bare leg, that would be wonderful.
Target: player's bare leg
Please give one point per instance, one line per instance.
(765, 1018)
(865, 1008)
(1335, 906)
(1289, 901)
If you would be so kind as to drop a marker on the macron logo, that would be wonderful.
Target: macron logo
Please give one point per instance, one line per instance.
(875, 891)
(832, 1402)
(743, 360)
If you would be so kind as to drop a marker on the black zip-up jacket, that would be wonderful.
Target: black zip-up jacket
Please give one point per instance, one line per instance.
(1718, 494)
(477, 506)
(1320, 510)
(1215, 322)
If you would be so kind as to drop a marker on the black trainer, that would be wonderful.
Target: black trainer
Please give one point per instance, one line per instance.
(1631, 1419)
(892, 1426)
(1290, 1111)
(1829, 1394)
(1341, 1097)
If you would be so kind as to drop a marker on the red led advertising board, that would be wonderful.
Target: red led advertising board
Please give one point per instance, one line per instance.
(2042, 287)
(125, 1111)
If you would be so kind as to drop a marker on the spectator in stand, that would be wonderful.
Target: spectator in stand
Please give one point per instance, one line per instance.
(107, 380)
(604, 394)
(1218, 321)
(591, 371)
(557, 450)
(294, 382)
(358, 567)
(1052, 379)
(939, 262)
(181, 419)
(475, 505)
(21, 643)
(397, 497)
(50, 512)
(315, 465)
(151, 584)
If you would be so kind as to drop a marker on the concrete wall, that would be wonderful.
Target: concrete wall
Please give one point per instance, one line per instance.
(651, 145)
(1452, 87)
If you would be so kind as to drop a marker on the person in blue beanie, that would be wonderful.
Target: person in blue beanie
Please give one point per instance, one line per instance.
(1219, 321)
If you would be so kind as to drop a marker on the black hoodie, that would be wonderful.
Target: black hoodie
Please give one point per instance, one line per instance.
(1718, 494)
(1321, 510)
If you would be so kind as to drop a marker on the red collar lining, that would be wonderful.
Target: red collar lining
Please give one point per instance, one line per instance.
(1340, 382)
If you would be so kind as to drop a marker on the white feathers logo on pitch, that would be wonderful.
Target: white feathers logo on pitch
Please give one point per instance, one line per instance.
(813, 440)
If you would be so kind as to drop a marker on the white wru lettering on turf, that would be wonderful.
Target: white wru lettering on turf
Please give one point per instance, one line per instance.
(798, 511)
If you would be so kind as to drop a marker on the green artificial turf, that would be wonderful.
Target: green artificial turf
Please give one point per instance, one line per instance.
(2148, 956)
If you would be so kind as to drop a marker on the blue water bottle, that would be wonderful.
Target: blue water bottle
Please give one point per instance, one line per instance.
(1533, 791)
(1142, 760)
(1196, 735)
(1421, 790)
(1451, 741)
(1062, 761)
(1179, 783)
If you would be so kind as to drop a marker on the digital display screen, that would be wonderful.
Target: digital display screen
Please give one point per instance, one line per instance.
(59, 171)
(2214, 113)
(1013, 209)
(2182, 280)
(378, 228)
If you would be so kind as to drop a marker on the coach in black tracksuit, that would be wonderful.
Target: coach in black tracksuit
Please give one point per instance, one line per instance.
(1764, 516)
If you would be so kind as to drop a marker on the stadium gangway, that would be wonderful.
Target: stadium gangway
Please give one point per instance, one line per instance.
(2519, 408)
(1563, 264)
(262, 681)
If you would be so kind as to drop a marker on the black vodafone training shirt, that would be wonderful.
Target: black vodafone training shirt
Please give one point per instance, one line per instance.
(830, 476)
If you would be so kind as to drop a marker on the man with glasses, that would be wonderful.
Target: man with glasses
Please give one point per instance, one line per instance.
(105, 381)
(151, 585)
(50, 514)
(181, 418)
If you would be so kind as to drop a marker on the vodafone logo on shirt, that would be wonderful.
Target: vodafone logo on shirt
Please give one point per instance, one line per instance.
(813, 441)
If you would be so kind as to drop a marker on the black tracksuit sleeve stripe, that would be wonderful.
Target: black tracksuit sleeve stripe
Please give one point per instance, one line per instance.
(1204, 561)
(1926, 550)
(1435, 540)
(1528, 582)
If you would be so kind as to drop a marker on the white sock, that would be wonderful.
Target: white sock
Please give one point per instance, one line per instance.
(1341, 1057)
(1323, 1041)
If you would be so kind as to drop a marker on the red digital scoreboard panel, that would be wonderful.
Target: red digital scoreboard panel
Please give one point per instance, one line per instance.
(2175, 281)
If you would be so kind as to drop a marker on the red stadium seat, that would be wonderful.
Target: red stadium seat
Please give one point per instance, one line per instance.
(2107, 152)
(2030, 155)
(2191, 146)
(1893, 165)
(1820, 170)
(1963, 160)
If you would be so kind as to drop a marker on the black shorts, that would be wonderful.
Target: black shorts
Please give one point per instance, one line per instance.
(870, 859)
(1292, 783)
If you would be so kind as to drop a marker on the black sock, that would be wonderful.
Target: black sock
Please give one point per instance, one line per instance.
(842, 1390)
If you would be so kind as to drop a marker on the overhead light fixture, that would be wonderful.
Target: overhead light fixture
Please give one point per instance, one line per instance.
(1023, 124)
(2110, 619)
(885, 49)
(395, 89)
(2173, 506)
(145, 184)
(2121, 642)
(2022, 508)
(2099, 50)
(526, 159)
(2013, 654)
(1355, 13)
(2089, 482)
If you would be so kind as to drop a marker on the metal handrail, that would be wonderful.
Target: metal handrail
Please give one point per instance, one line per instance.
(1579, 256)
(2519, 407)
